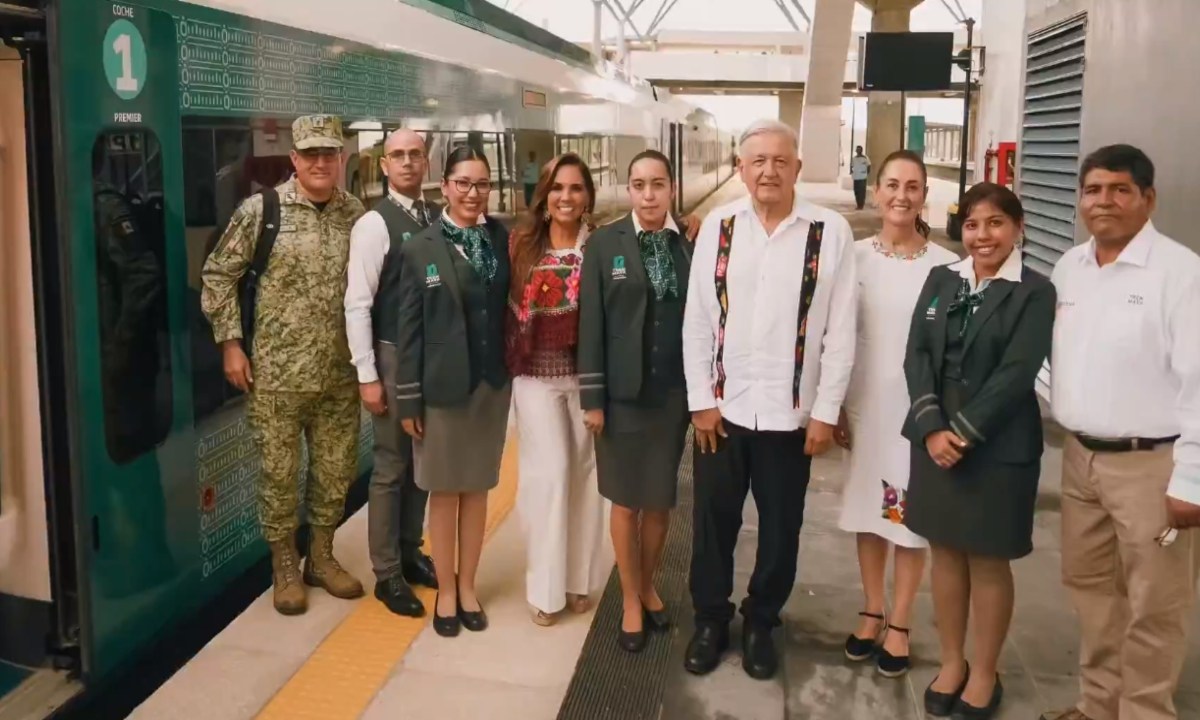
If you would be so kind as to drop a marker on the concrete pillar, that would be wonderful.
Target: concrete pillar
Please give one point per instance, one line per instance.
(885, 110)
(791, 107)
(821, 124)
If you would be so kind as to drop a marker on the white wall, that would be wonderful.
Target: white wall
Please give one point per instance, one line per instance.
(1002, 28)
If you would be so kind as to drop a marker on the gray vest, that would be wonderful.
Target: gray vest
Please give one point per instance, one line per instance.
(400, 225)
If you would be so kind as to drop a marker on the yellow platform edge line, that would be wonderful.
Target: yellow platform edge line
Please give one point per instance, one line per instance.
(350, 666)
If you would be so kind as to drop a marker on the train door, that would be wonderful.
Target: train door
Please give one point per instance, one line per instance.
(38, 600)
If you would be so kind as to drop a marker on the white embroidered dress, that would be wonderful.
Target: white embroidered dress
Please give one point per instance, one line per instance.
(877, 400)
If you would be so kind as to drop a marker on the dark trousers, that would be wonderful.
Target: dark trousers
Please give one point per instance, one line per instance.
(773, 466)
(529, 189)
(860, 193)
(396, 506)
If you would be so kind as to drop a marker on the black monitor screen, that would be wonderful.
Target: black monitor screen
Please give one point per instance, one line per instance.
(907, 61)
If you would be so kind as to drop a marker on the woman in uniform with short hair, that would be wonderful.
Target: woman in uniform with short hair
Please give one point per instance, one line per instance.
(632, 383)
(453, 389)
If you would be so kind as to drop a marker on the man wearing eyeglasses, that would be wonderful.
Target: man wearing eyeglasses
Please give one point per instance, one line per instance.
(396, 506)
(297, 368)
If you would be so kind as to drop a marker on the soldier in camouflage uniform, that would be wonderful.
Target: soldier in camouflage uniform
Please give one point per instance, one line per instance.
(301, 379)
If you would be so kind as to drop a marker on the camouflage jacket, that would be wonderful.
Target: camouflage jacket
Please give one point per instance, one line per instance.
(300, 321)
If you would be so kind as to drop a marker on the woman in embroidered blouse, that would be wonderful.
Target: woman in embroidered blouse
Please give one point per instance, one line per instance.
(892, 267)
(979, 333)
(452, 386)
(560, 507)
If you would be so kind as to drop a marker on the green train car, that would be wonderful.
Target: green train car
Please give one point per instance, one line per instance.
(129, 132)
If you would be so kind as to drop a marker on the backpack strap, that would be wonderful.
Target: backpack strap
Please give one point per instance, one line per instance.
(267, 233)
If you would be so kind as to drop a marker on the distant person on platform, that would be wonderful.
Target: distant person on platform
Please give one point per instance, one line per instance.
(860, 170)
(768, 346)
(1126, 387)
(297, 372)
(396, 506)
(530, 177)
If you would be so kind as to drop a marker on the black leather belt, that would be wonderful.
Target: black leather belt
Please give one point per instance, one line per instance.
(1120, 445)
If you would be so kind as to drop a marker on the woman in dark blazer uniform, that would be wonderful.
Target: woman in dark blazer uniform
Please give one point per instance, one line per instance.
(452, 388)
(980, 332)
(632, 388)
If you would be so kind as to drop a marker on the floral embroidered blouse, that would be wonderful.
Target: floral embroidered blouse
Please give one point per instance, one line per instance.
(543, 329)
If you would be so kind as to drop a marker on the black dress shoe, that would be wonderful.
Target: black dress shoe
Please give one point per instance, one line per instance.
(705, 648)
(859, 649)
(759, 659)
(940, 704)
(657, 620)
(966, 711)
(889, 665)
(398, 597)
(474, 621)
(445, 626)
(633, 642)
(418, 570)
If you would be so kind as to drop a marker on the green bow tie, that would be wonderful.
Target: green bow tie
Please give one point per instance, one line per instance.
(476, 245)
(659, 263)
(966, 302)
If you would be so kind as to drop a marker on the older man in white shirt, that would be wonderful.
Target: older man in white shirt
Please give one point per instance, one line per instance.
(1126, 385)
(769, 334)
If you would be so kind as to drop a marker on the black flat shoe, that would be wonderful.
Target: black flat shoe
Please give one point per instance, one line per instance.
(474, 621)
(859, 649)
(940, 704)
(657, 620)
(445, 626)
(704, 649)
(418, 569)
(759, 659)
(633, 642)
(966, 711)
(889, 665)
(398, 597)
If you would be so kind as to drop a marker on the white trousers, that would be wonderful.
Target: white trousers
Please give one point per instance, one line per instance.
(561, 510)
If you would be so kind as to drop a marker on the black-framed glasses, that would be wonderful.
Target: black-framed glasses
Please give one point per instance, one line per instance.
(465, 186)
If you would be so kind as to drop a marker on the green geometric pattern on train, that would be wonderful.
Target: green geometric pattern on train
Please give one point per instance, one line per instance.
(228, 69)
(300, 324)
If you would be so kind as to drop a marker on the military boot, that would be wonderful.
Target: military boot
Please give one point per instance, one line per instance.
(322, 570)
(285, 574)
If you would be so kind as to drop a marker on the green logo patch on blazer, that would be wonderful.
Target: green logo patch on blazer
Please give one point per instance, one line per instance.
(931, 311)
(405, 237)
(432, 279)
(618, 271)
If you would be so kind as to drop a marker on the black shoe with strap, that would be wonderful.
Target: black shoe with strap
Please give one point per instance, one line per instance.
(889, 665)
(859, 649)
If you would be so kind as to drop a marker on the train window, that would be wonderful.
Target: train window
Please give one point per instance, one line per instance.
(130, 227)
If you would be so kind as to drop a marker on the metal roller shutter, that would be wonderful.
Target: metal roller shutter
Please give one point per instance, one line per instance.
(1049, 164)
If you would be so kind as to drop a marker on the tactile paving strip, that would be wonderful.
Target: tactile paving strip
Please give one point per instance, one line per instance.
(610, 683)
(351, 665)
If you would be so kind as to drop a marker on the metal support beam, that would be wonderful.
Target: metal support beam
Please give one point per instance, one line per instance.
(623, 17)
(663, 11)
(784, 9)
(803, 13)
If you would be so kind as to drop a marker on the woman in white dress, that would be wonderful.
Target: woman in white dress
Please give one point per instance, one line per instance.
(892, 269)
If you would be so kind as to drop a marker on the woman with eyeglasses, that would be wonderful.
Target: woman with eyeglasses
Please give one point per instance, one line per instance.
(453, 389)
(979, 333)
(560, 508)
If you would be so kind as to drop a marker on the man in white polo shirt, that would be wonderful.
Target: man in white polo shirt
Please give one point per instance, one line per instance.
(768, 344)
(1126, 385)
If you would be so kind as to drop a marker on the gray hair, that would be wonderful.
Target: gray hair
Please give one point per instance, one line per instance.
(769, 126)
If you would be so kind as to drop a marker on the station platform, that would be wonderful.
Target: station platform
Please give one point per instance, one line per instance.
(350, 660)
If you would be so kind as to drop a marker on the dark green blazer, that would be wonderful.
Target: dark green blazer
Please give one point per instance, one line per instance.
(432, 343)
(613, 292)
(1006, 342)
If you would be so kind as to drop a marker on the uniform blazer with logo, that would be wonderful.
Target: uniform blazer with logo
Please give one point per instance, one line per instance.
(1007, 340)
(613, 292)
(432, 343)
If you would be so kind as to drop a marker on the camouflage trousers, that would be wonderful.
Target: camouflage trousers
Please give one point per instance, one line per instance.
(329, 422)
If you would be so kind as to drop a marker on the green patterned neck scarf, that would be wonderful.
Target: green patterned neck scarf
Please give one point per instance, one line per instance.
(478, 247)
(659, 264)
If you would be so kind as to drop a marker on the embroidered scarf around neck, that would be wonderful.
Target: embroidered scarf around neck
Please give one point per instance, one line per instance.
(478, 248)
(660, 265)
(967, 303)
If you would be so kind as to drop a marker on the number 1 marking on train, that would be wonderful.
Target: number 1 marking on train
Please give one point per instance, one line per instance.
(124, 56)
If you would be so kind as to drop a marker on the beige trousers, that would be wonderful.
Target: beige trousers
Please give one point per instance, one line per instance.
(1134, 597)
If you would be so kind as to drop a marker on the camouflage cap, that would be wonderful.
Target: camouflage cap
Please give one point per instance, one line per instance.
(317, 131)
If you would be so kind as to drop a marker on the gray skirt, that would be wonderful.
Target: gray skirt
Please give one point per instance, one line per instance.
(637, 455)
(462, 447)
